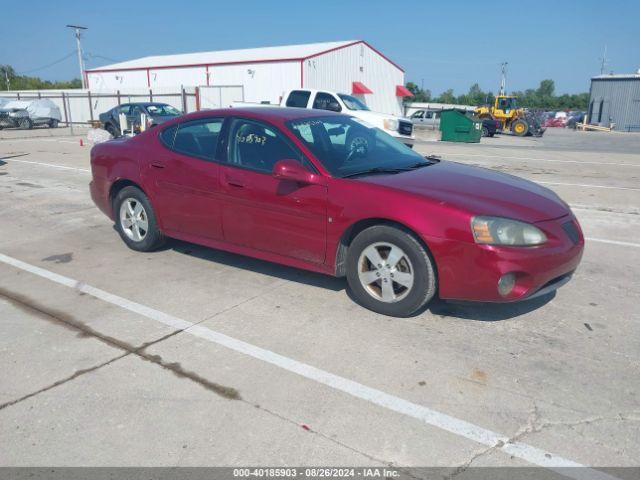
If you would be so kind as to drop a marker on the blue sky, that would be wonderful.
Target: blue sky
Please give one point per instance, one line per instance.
(445, 44)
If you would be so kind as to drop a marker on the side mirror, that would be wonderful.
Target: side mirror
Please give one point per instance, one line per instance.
(334, 107)
(293, 171)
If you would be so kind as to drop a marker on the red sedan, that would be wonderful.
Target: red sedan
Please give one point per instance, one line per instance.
(329, 193)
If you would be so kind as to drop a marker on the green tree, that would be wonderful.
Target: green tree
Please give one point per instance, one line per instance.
(419, 95)
(447, 97)
(23, 82)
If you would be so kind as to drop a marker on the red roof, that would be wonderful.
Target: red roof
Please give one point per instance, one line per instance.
(402, 91)
(359, 88)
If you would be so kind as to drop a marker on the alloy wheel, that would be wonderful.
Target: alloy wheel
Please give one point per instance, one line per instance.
(385, 272)
(133, 219)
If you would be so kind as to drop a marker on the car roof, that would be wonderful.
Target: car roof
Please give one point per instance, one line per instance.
(142, 104)
(264, 113)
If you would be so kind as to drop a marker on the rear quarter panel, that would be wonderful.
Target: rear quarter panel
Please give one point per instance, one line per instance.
(113, 161)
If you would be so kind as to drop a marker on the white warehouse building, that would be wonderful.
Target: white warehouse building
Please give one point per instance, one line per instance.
(262, 75)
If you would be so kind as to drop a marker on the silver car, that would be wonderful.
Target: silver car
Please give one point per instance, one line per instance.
(425, 118)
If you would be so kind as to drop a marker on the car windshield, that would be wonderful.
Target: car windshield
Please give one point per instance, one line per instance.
(161, 110)
(348, 146)
(352, 103)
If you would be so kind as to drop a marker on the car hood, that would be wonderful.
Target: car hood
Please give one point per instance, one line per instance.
(479, 191)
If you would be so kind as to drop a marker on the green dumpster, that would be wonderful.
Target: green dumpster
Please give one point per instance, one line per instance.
(457, 126)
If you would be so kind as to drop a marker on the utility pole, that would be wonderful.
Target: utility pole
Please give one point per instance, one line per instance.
(503, 80)
(78, 29)
(6, 77)
(603, 65)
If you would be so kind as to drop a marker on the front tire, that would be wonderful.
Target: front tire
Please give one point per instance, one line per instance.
(25, 123)
(389, 271)
(485, 132)
(520, 128)
(136, 220)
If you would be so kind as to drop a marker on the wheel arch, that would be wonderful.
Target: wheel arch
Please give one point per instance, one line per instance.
(355, 228)
(119, 185)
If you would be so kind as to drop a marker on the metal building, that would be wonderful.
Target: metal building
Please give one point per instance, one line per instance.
(615, 99)
(262, 75)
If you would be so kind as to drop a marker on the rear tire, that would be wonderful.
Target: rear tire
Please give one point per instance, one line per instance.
(136, 220)
(389, 271)
(53, 123)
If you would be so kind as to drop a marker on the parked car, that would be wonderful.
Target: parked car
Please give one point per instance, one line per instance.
(27, 114)
(156, 113)
(574, 119)
(555, 122)
(398, 127)
(489, 127)
(285, 185)
(425, 118)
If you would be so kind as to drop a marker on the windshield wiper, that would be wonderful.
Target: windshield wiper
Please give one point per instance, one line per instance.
(376, 170)
(431, 160)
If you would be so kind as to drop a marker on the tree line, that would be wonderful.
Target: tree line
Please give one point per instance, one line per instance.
(543, 97)
(10, 80)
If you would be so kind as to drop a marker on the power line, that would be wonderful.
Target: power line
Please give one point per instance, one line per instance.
(94, 55)
(47, 65)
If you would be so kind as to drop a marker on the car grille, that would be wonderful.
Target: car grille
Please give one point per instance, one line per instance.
(405, 128)
(572, 231)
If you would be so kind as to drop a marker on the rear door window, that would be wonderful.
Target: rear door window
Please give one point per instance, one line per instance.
(298, 98)
(198, 138)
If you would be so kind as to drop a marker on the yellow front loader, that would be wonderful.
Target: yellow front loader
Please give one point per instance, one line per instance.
(512, 119)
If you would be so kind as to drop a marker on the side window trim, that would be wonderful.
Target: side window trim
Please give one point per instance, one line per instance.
(173, 137)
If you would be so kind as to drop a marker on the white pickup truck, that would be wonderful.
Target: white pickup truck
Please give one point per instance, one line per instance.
(400, 128)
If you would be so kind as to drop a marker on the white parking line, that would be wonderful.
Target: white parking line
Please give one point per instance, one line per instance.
(42, 139)
(46, 165)
(613, 242)
(586, 185)
(424, 414)
(637, 165)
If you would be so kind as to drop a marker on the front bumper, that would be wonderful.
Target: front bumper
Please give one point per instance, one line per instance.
(469, 271)
(406, 139)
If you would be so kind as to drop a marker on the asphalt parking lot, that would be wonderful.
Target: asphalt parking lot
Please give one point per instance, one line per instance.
(190, 356)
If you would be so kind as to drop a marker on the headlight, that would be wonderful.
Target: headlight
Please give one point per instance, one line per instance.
(390, 124)
(504, 231)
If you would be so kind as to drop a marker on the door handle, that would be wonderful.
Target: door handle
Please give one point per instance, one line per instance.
(231, 181)
(158, 165)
